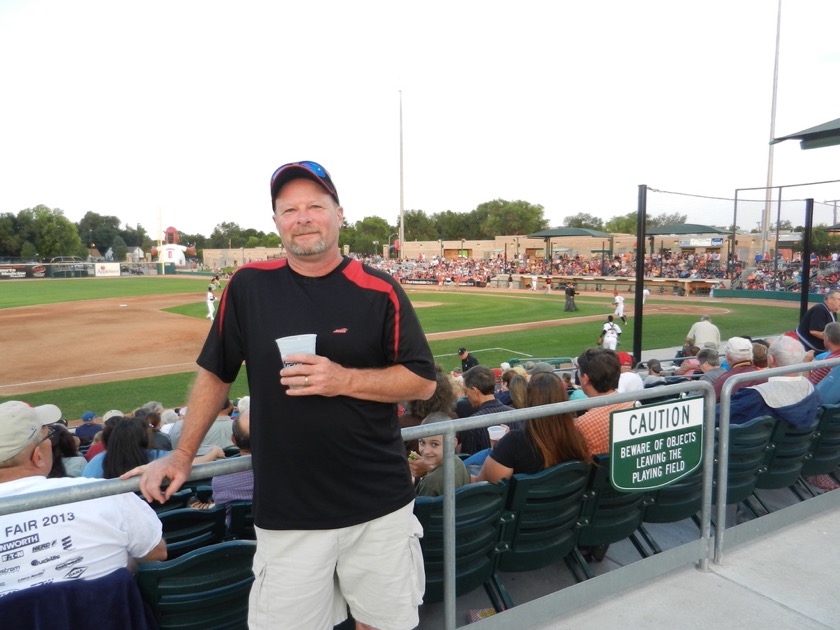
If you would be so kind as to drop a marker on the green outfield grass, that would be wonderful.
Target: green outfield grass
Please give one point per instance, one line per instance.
(459, 310)
(32, 292)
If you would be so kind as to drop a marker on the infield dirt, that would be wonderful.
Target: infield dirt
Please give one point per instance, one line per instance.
(53, 346)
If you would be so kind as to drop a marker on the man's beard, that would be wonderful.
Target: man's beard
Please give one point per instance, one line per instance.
(319, 247)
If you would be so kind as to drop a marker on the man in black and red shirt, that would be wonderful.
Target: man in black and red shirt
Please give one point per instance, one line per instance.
(329, 461)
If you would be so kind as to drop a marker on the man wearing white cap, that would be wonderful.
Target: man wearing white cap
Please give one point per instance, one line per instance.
(739, 356)
(85, 539)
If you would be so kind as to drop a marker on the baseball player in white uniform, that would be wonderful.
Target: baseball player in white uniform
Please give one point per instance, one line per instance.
(610, 333)
(211, 303)
(618, 302)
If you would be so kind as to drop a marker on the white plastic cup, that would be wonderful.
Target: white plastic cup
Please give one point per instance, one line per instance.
(496, 432)
(295, 344)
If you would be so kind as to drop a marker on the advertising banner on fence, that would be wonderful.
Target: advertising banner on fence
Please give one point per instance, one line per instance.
(655, 445)
(14, 272)
(107, 270)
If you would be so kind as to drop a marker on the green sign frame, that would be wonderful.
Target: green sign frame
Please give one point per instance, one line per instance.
(656, 445)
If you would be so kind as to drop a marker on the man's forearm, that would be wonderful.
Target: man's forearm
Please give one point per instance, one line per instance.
(395, 383)
(208, 394)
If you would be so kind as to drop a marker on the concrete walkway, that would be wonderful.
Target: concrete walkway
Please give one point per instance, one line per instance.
(782, 580)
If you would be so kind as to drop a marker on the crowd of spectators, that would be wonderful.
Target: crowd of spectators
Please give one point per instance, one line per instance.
(761, 275)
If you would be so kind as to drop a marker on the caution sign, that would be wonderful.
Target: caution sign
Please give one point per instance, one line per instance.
(655, 445)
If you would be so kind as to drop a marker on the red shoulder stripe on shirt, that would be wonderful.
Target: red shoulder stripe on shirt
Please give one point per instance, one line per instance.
(358, 276)
(263, 265)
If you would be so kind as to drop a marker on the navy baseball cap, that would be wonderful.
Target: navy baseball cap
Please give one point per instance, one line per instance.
(297, 170)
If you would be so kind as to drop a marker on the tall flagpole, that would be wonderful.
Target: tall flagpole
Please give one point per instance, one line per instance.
(402, 192)
(768, 196)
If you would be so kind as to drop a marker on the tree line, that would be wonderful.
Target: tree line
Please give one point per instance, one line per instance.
(42, 232)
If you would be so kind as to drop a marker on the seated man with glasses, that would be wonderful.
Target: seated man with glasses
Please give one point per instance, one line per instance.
(86, 539)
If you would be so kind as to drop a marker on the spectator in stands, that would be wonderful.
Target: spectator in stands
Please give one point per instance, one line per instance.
(67, 462)
(219, 434)
(503, 395)
(518, 391)
(811, 329)
(88, 428)
(167, 420)
(704, 334)
(237, 486)
(105, 532)
(467, 360)
(539, 367)
(98, 444)
(709, 364)
(127, 447)
(481, 386)
(442, 400)
(427, 464)
(160, 440)
(654, 377)
(543, 443)
(831, 339)
(760, 358)
(153, 406)
(628, 381)
(738, 352)
(690, 364)
(790, 398)
(599, 373)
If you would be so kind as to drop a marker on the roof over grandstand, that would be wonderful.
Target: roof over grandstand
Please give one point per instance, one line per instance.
(684, 228)
(569, 231)
(824, 135)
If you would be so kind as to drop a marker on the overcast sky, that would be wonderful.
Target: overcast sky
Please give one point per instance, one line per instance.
(188, 106)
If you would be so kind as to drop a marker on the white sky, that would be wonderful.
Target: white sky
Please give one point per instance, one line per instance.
(189, 106)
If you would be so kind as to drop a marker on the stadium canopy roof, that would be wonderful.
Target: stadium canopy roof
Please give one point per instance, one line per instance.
(824, 135)
(684, 228)
(569, 231)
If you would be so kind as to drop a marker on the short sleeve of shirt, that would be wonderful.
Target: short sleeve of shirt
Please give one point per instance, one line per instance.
(515, 451)
(222, 352)
(141, 525)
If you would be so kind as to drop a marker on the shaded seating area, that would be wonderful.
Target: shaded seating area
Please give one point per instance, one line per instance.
(541, 527)
(479, 512)
(204, 589)
(607, 516)
(823, 456)
(188, 529)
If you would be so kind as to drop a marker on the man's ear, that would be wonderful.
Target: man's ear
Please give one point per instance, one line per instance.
(41, 461)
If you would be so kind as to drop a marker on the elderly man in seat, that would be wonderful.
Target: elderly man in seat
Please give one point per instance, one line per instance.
(790, 397)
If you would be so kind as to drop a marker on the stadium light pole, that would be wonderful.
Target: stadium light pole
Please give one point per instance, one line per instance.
(834, 215)
(402, 187)
(765, 228)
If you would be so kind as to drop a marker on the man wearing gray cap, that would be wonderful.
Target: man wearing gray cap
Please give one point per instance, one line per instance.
(86, 539)
(739, 356)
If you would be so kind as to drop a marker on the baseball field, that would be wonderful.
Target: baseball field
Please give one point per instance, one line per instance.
(116, 343)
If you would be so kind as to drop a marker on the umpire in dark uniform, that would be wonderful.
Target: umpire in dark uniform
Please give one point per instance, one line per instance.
(467, 360)
(570, 298)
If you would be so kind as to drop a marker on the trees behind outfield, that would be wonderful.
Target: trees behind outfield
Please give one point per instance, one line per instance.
(39, 232)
